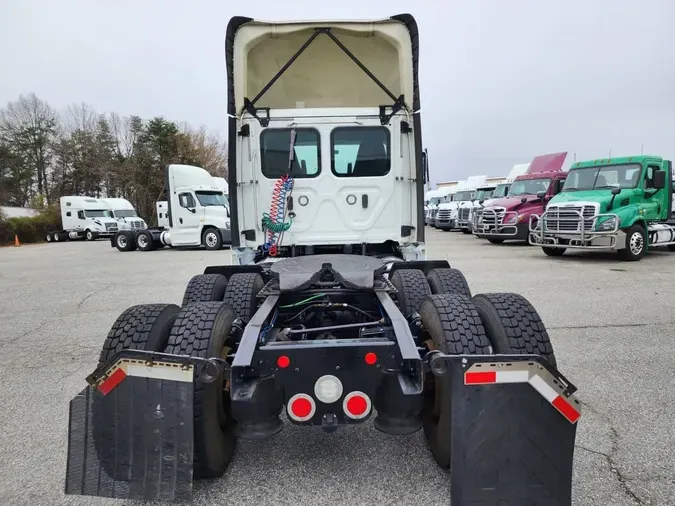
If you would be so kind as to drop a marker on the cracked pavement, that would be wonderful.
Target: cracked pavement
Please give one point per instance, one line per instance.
(611, 324)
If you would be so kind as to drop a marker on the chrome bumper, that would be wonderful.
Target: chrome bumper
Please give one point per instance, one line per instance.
(577, 232)
(489, 222)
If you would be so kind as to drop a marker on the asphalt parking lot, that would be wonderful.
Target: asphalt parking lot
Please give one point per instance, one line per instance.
(611, 324)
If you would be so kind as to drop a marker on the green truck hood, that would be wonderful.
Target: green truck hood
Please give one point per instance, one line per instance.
(602, 197)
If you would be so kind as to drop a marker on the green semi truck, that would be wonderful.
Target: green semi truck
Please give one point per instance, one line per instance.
(621, 204)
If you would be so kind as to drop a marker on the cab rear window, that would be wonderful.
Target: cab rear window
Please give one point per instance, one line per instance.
(360, 151)
(275, 149)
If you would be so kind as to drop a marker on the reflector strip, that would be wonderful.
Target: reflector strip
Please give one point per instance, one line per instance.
(566, 409)
(480, 378)
(540, 379)
(141, 369)
(113, 380)
(540, 386)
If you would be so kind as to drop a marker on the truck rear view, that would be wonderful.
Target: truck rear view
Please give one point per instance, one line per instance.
(331, 314)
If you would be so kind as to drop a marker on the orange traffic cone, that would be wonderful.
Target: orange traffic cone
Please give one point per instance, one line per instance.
(16, 240)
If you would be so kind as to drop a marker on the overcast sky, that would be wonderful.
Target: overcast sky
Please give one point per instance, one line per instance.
(501, 80)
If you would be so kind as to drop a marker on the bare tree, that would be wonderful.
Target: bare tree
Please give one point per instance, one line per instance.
(28, 126)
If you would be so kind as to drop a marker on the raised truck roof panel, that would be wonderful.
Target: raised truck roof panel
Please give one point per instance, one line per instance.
(547, 163)
(323, 75)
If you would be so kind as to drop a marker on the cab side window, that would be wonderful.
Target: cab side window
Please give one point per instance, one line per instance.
(649, 176)
(186, 200)
(80, 215)
(557, 185)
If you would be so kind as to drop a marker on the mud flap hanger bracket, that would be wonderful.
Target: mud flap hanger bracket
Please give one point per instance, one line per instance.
(264, 120)
(205, 370)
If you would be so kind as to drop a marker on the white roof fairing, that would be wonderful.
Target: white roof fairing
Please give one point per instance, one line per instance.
(323, 75)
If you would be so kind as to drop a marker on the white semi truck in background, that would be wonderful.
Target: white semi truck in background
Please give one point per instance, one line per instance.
(448, 216)
(195, 214)
(90, 218)
(125, 214)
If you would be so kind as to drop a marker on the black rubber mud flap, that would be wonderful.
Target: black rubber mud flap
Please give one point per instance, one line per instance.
(513, 429)
(145, 450)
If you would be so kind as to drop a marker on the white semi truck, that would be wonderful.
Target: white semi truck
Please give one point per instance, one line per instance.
(448, 216)
(125, 214)
(84, 218)
(195, 214)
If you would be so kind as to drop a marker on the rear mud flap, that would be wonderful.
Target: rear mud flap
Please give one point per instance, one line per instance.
(136, 441)
(513, 429)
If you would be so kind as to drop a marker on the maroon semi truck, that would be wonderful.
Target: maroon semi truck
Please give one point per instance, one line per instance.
(507, 219)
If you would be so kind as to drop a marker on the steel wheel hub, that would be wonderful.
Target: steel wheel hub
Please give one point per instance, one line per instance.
(636, 243)
(211, 239)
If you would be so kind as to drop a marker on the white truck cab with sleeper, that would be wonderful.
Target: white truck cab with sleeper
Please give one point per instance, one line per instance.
(195, 214)
(325, 153)
(83, 218)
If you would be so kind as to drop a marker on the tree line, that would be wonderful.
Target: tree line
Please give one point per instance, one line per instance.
(46, 153)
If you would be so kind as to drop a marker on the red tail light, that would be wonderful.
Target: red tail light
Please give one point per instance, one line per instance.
(301, 407)
(356, 405)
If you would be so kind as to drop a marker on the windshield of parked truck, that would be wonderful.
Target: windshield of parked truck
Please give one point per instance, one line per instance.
(97, 213)
(483, 194)
(125, 213)
(529, 187)
(463, 196)
(603, 176)
(208, 198)
(434, 201)
(448, 198)
(501, 191)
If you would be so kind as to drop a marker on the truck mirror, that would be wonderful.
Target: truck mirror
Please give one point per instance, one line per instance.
(523, 200)
(541, 195)
(659, 179)
(615, 191)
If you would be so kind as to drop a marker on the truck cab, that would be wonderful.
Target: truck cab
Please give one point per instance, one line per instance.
(508, 218)
(125, 214)
(86, 216)
(483, 194)
(619, 204)
(325, 157)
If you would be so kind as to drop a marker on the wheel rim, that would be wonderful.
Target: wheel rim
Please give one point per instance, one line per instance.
(142, 241)
(211, 240)
(56, 237)
(122, 241)
(89, 235)
(49, 237)
(636, 243)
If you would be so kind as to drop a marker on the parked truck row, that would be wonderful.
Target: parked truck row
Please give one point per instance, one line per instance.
(90, 218)
(195, 214)
(622, 204)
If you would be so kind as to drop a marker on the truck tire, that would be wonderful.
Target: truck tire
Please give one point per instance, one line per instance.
(466, 231)
(513, 326)
(448, 281)
(553, 252)
(48, 237)
(205, 288)
(452, 325)
(125, 241)
(211, 239)
(201, 330)
(89, 235)
(412, 287)
(144, 241)
(142, 327)
(636, 244)
(241, 293)
(495, 241)
(56, 236)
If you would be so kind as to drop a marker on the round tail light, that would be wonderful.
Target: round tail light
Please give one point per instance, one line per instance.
(356, 405)
(301, 407)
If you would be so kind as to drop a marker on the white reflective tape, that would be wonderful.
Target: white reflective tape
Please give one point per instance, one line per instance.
(158, 372)
(543, 388)
(513, 376)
